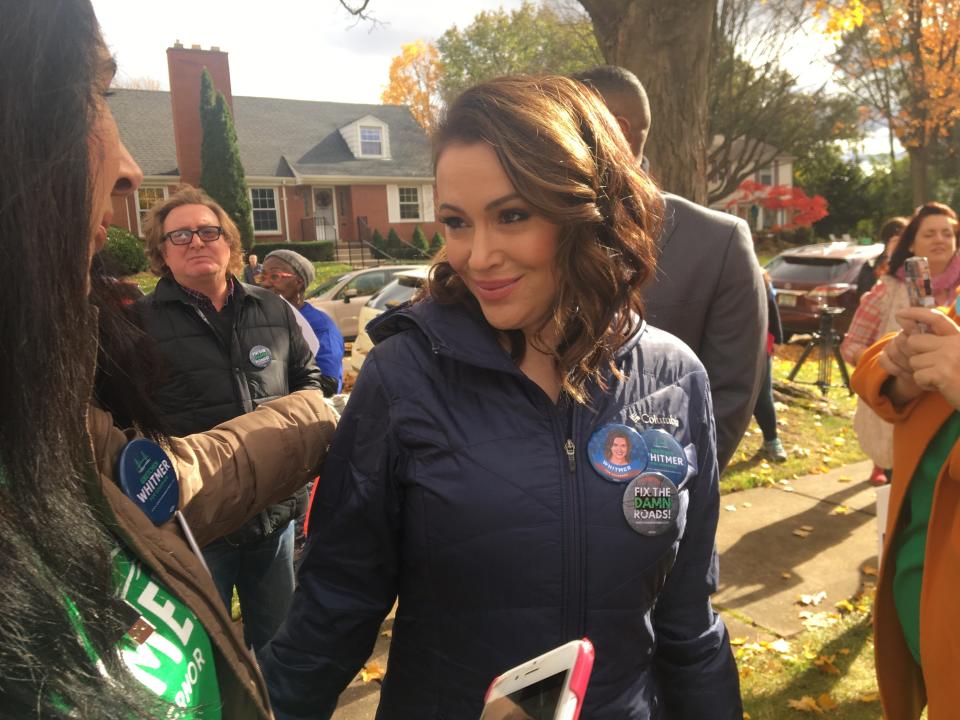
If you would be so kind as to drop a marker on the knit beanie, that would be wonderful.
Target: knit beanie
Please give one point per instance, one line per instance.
(301, 266)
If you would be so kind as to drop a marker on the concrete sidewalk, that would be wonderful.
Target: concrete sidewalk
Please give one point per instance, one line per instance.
(757, 546)
(766, 562)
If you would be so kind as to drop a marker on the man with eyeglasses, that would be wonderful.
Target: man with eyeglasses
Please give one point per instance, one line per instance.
(227, 347)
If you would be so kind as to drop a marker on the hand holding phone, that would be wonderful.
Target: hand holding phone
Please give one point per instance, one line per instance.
(548, 687)
(919, 286)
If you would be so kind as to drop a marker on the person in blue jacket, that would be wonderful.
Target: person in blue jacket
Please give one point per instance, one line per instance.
(466, 477)
(288, 274)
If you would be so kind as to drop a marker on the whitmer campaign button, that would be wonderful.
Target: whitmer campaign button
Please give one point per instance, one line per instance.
(147, 477)
(666, 455)
(617, 452)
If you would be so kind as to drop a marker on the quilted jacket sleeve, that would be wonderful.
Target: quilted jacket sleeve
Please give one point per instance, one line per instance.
(694, 662)
(347, 581)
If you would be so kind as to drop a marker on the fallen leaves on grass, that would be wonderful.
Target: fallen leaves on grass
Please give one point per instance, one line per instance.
(809, 705)
(805, 704)
(845, 606)
(824, 664)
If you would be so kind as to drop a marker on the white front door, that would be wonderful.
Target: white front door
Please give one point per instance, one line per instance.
(325, 214)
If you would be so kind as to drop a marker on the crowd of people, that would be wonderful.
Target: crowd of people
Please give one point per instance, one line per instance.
(584, 340)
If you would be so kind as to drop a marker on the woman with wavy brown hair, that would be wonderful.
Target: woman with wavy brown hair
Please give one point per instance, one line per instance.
(463, 477)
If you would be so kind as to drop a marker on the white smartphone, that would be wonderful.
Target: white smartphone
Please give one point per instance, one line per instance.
(548, 687)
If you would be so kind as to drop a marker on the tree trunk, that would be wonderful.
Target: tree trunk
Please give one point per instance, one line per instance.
(667, 46)
(918, 174)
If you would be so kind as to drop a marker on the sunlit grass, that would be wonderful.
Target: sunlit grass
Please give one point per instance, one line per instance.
(815, 429)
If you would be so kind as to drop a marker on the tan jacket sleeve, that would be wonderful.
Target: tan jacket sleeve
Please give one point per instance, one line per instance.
(230, 473)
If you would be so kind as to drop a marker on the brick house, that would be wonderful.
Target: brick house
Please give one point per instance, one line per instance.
(315, 170)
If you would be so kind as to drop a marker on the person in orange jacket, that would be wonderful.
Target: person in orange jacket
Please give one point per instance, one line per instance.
(912, 380)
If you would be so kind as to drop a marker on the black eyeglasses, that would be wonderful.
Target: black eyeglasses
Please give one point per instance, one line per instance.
(184, 236)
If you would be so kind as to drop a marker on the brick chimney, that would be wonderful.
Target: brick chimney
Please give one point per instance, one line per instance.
(186, 66)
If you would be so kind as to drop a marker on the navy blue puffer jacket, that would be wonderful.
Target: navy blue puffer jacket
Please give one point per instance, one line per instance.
(448, 485)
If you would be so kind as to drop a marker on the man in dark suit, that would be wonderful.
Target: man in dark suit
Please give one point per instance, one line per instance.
(708, 290)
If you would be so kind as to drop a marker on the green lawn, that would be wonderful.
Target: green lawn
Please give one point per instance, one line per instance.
(815, 429)
(831, 667)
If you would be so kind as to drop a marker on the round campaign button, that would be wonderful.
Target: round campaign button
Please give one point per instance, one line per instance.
(666, 455)
(147, 477)
(617, 453)
(260, 356)
(650, 504)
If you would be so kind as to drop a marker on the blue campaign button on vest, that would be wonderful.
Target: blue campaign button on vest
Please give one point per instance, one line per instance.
(148, 479)
(666, 455)
(260, 356)
(617, 453)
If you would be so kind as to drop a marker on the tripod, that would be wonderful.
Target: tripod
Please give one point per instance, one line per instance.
(829, 344)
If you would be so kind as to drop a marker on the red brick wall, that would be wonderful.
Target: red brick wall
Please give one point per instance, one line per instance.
(371, 201)
(186, 66)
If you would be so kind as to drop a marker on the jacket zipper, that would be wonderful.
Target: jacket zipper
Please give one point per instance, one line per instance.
(571, 624)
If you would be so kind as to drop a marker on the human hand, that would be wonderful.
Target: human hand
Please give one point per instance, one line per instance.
(934, 356)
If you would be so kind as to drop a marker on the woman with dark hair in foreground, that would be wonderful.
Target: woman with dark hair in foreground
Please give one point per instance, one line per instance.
(102, 613)
(465, 478)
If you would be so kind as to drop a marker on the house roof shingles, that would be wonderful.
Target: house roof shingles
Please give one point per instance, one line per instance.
(277, 136)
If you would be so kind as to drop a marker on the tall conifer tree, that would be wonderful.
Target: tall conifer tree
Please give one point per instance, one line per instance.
(221, 172)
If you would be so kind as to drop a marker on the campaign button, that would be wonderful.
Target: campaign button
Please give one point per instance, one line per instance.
(666, 455)
(147, 478)
(650, 504)
(260, 356)
(617, 453)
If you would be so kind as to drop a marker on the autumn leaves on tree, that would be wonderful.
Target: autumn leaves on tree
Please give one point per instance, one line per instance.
(414, 81)
(900, 58)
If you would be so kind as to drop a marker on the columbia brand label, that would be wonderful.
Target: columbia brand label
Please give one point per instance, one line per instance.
(148, 479)
(617, 453)
(650, 504)
(666, 455)
(651, 419)
(260, 356)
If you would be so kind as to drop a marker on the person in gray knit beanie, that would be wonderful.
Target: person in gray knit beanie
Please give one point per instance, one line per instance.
(297, 262)
(289, 274)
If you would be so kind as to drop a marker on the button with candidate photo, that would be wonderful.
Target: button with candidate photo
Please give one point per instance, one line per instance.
(650, 504)
(666, 455)
(617, 453)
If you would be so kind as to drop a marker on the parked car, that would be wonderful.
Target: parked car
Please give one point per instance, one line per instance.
(341, 298)
(395, 293)
(810, 277)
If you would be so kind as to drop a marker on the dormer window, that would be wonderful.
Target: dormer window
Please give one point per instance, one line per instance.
(367, 137)
(371, 140)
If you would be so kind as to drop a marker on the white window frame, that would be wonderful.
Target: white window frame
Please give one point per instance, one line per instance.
(380, 132)
(141, 211)
(424, 203)
(409, 204)
(276, 211)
